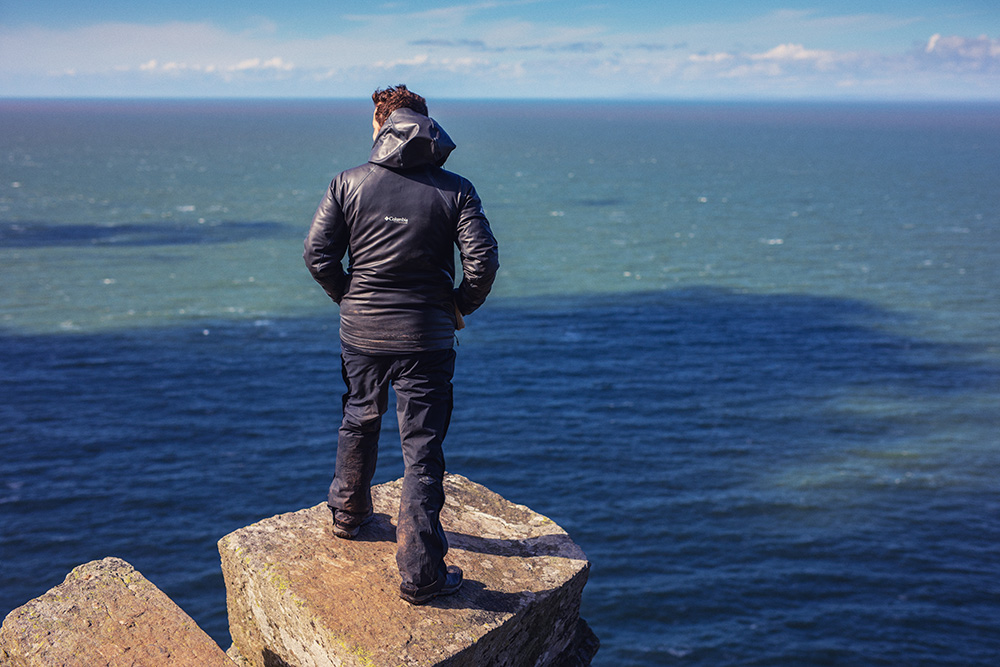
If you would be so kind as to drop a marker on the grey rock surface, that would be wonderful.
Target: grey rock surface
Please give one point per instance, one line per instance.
(299, 596)
(105, 613)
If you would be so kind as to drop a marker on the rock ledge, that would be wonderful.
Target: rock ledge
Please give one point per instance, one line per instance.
(298, 596)
(105, 613)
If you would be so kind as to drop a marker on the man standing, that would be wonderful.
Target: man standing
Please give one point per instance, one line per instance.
(398, 218)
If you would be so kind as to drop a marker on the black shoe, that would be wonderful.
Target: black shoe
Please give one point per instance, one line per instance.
(348, 531)
(449, 585)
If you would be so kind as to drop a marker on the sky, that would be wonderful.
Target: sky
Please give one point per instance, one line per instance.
(473, 49)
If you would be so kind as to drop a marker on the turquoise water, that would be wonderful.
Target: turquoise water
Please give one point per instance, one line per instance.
(745, 354)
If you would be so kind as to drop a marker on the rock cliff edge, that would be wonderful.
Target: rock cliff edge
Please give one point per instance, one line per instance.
(299, 596)
(105, 613)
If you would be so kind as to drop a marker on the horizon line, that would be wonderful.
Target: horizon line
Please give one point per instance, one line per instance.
(574, 99)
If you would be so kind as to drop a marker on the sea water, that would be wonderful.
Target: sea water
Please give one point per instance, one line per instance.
(746, 354)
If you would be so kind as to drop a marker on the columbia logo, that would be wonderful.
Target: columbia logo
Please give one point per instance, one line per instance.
(401, 221)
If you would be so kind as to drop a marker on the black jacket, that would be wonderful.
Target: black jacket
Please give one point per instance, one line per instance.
(399, 218)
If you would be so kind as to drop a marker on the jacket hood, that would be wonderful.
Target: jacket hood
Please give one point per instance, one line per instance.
(409, 139)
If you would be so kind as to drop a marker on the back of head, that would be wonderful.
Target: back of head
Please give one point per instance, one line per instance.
(389, 99)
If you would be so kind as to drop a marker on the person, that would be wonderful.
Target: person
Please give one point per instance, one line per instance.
(399, 218)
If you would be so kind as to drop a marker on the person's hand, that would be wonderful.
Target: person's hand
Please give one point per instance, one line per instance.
(459, 320)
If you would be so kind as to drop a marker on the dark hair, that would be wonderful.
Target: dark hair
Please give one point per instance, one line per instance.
(396, 97)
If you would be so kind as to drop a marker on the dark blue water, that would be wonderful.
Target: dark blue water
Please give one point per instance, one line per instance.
(774, 435)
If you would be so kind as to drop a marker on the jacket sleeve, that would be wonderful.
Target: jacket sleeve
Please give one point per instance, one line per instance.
(478, 250)
(326, 244)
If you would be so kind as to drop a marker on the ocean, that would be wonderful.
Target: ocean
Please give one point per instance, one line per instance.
(746, 354)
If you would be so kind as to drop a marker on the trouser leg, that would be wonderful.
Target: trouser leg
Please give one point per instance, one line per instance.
(424, 404)
(365, 402)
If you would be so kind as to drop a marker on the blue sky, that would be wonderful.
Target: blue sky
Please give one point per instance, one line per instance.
(643, 49)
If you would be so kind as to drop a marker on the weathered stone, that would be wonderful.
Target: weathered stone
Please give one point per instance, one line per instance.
(105, 613)
(299, 596)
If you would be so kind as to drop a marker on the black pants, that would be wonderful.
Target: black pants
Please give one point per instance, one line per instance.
(422, 382)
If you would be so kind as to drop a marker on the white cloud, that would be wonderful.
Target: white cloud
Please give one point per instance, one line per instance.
(978, 52)
(413, 61)
(109, 47)
(753, 71)
(793, 52)
(258, 64)
(779, 49)
(798, 54)
(710, 57)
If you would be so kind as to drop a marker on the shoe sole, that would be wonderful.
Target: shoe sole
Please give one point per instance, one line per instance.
(424, 599)
(350, 533)
(345, 534)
